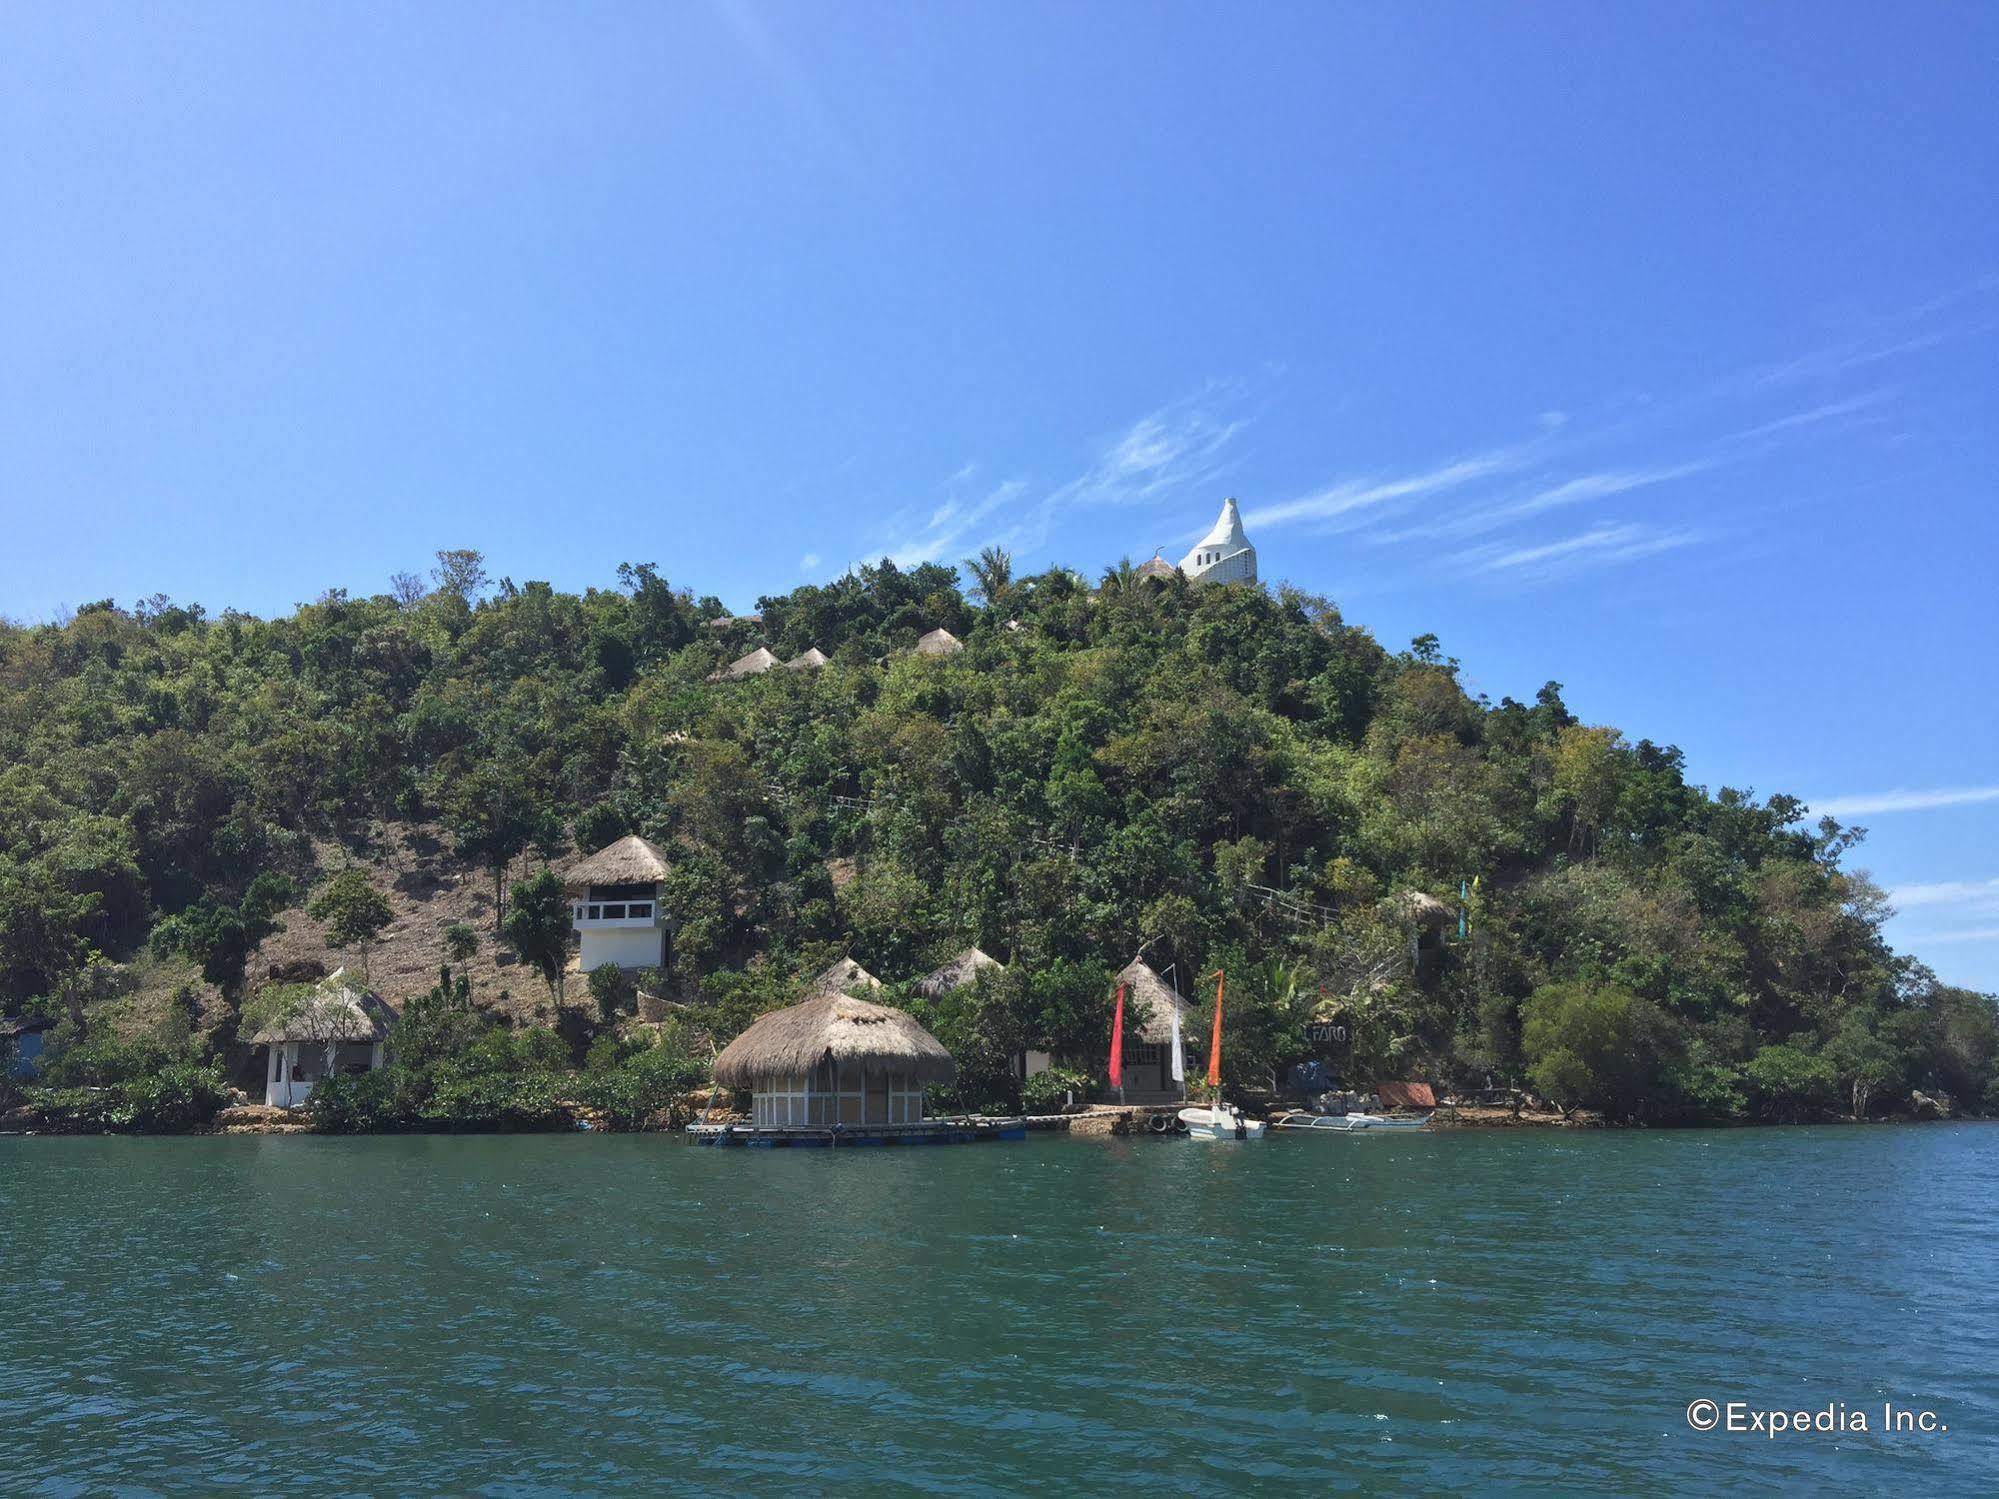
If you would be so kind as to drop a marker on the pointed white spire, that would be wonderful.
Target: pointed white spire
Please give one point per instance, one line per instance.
(1224, 555)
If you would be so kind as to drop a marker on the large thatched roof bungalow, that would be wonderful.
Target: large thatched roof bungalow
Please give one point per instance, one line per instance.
(834, 1060)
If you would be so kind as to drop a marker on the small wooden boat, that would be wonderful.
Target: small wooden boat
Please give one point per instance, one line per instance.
(1222, 1123)
(1301, 1122)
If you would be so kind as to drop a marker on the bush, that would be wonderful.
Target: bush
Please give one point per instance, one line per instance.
(1046, 1092)
(639, 1088)
(613, 989)
(1787, 1084)
(358, 1105)
(1601, 1048)
(181, 1095)
(509, 1100)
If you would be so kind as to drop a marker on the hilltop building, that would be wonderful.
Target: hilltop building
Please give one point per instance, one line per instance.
(1224, 555)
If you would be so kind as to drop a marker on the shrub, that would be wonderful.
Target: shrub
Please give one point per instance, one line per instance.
(358, 1105)
(1787, 1083)
(181, 1095)
(642, 1086)
(1047, 1092)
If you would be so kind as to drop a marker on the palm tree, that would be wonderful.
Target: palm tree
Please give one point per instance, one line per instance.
(1122, 578)
(992, 576)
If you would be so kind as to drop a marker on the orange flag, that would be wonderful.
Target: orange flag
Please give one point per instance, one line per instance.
(1215, 1046)
(1117, 1042)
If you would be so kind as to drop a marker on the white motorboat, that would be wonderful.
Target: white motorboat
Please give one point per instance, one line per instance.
(1221, 1123)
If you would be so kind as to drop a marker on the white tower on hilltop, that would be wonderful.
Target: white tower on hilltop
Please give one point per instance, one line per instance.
(1224, 555)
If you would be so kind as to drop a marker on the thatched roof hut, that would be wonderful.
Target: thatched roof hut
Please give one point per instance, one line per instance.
(843, 977)
(939, 643)
(1142, 983)
(632, 860)
(957, 973)
(337, 1009)
(855, 1035)
(810, 659)
(1157, 567)
(1416, 908)
(755, 664)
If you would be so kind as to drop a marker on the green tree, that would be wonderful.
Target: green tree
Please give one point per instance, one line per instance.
(992, 578)
(537, 926)
(1602, 1048)
(353, 911)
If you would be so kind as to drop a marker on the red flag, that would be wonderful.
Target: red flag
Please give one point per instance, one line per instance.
(1215, 1046)
(1117, 1042)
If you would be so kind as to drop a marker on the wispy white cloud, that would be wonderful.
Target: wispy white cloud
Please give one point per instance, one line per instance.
(1600, 546)
(808, 562)
(954, 527)
(1352, 495)
(1946, 911)
(1961, 934)
(1869, 803)
(1977, 894)
(1179, 447)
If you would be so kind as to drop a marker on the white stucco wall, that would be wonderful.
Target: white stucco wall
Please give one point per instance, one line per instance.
(628, 947)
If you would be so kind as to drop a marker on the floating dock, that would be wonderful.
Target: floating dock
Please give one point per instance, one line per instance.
(927, 1132)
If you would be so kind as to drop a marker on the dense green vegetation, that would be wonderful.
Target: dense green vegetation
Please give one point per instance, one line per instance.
(1225, 777)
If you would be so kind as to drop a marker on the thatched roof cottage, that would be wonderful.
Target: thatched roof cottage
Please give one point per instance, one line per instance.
(755, 664)
(834, 1060)
(809, 659)
(615, 905)
(338, 1027)
(939, 643)
(960, 971)
(844, 977)
(1150, 1005)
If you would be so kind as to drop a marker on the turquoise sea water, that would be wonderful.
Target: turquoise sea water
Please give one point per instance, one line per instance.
(1465, 1313)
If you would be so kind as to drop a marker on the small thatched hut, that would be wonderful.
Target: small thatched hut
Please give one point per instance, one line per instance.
(1418, 908)
(340, 1027)
(1157, 568)
(834, 1059)
(1148, 1063)
(755, 664)
(810, 659)
(615, 905)
(957, 973)
(1423, 916)
(843, 977)
(939, 643)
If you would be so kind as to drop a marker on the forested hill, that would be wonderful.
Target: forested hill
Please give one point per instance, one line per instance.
(1224, 776)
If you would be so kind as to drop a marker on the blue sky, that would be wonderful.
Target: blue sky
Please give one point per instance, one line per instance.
(1653, 349)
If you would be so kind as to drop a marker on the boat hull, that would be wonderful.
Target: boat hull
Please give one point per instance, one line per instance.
(1211, 1124)
(1346, 1124)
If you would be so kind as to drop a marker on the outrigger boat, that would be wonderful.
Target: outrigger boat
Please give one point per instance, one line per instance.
(1219, 1121)
(1301, 1121)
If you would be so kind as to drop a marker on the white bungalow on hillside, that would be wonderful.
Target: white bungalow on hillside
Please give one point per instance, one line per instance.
(339, 1027)
(616, 908)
